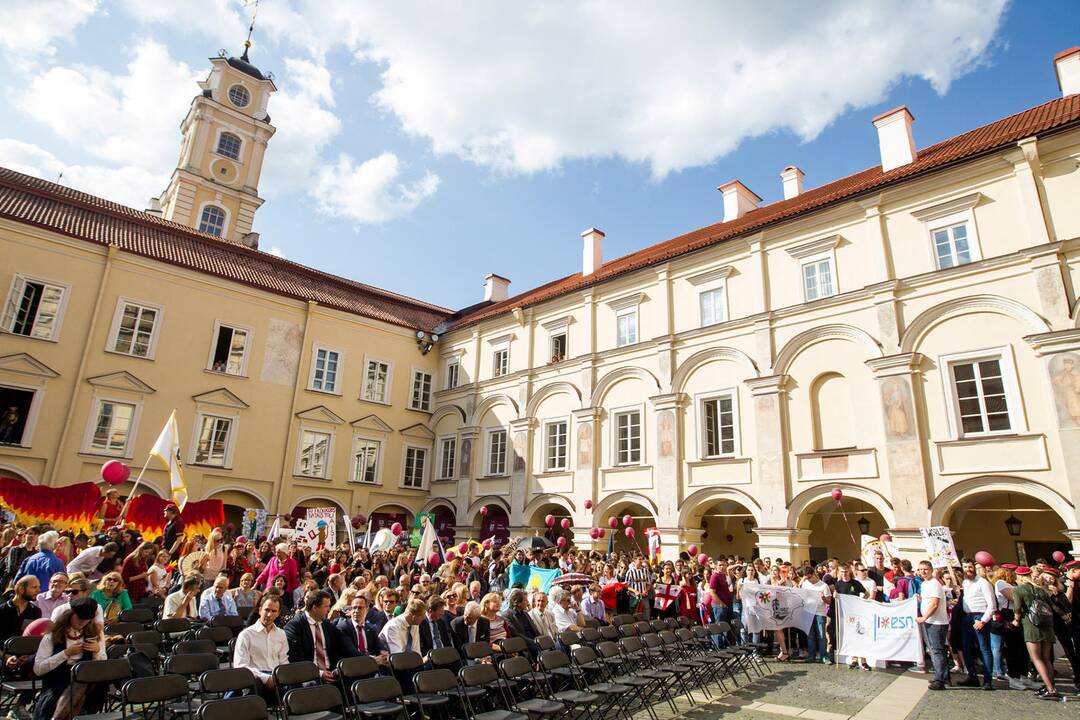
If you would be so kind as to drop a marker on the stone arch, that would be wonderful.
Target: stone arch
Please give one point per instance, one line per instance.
(443, 412)
(926, 320)
(801, 502)
(815, 335)
(709, 496)
(547, 391)
(603, 508)
(435, 502)
(492, 402)
(237, 488)
(547, 499)
(950, 496)
(480, 502)
(19, 473)
(701, 357)
(622, 373)
(1076, 313)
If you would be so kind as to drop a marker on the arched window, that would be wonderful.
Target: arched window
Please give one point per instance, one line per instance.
(229, 146)
(212, 220)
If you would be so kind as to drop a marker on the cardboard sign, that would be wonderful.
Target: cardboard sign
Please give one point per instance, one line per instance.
(319, 529)
(939, 546)
(254, 523)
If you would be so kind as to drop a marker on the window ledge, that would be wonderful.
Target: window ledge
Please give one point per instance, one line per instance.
(986, 437)
(96, 454)
(298, 476)
(323, 392)
(149, 357)
(444, 480)
(229, 374)
(420, 410)
(626, 468)
(365, 483)
(565, 472)
(504, 476)
(373, 402)
(210, 465)
(717, 460)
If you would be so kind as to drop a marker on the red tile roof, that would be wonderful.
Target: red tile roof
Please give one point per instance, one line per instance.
(78, 215)
(1050, 116)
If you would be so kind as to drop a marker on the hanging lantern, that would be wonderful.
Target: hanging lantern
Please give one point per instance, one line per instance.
(748, 526)
(1013, 524)
(864, 525)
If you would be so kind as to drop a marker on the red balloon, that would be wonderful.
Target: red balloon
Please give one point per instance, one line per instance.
(562, 542)
(450, 554)
(593, 534)
(702, 559)
(692, 550)
(1058, 556)
(837, 494)
(885, 537)
(396, 528)
(565, 522)
(603, 533)
(984, 558)
(588, 504)
(433, 558)
(627, 520)
(549, 521)
(361, 519)
(613, 522)
(463, 548)
(629, 532)
(358, 522)
(483, 511)
(115, 472)
(486, 543)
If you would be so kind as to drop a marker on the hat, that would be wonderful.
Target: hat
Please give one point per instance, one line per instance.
(1071, 564)
(1050, 571)
(84, 608)
(1009, 566)
(1023, 570)
(240, 541)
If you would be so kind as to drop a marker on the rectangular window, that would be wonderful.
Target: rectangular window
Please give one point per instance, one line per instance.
(314, 453)
(112, 427)
(421, 391)
(325, 372)
(951, 246)
(230, 350)
(447, 457)
(377, 381)
(818, 279)
(713, 307)
(496, 453)
(33, 309)
(558, 347)
(213, 444)
(626, 327)
(414, 467)
(15, 404)
(628, 437)
(452, 370)
(981, 397)
(501, 362)
(366, 461)
(555, 446)
(719, 426)
(135, 330)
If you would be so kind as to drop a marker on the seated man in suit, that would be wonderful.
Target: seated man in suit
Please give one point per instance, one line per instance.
(434, 630)
(470, 627)
(385, 602)
(312, 637)
(517, 619)
(362, 638)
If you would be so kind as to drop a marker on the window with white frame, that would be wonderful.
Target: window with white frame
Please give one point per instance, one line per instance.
(558, 346)
(239, 95)
(447, 457)
(951, 246)
(16, 404)
(212, 220)
(229, 351)
(324, 370)
(500, 362)
(713, 306)
(413, 475)
(496, 464)
(555, 446)
(981, 393)
(134, 329)
(212, 446)
(954, 237)
(228, 145)
(818, 281)
(626, 327)
(33, 308)
(112, 427)
(421, 391)
(453, 368)
(718, 419)
(313, 455)
(377, 381)
(366, 460)
(628, 437)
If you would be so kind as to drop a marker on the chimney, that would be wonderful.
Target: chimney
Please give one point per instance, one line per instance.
(894, 138)
(792, 178)
(1067, 69)
(592, 252)
(738, 200)
(496, 288)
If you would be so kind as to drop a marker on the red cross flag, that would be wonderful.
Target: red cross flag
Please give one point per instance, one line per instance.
(666, 593)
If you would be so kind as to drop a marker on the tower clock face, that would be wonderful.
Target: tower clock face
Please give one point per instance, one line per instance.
(239, 96)
(224, 171)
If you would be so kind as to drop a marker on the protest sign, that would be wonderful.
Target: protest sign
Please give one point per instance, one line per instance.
(879, 631)
(939, 546)
(254, 523)
(871, 545)
(319, 529)
(768, 607)
(418, 527)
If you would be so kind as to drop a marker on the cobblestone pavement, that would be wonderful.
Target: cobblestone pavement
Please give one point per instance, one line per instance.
(820, 692)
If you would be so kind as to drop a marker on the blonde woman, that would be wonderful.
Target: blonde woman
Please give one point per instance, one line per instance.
(215, 556)
(341, 607)
(489, 609)
(246, 595)
(159, 576)
(111, 596)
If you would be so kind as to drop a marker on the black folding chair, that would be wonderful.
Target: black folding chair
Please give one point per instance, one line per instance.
(215, 683)
(618, 698)
(123, 628)
(379, 697)
(292, 675)
(518, 670)
(135, 614)
(12, 684)
(405, 665)
(103, 672)
(249, 707)
(233, 622)
(155, 694)
(480, 684)
(192, 647)
(321, 702)
(567, 684)
(349, 670)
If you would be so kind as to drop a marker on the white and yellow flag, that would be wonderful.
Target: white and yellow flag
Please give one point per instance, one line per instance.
(167, 450)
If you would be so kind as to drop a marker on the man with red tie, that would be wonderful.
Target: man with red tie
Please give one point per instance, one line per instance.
(356, 632)
(313, 638)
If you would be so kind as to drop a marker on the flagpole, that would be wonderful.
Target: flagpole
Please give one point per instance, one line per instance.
(131, 493)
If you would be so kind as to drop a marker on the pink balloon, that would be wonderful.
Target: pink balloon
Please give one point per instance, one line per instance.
(837, 494)
(357, 522)
(38, 627)
(588, 504)
(463, 548)
(613, 522)
(483, 511)
(562, 542)
(629, 532)
(984, 558)
(627, 520)
(549, 521)
(360, 519)
(450, 554)
(565, 522)
(433, 558)
(594, 533)
(885, 537)
(115, 472)
(486, 543)
(396, 528)
(692, 550)
(702, 559)
(603, 533)
(1058, 556)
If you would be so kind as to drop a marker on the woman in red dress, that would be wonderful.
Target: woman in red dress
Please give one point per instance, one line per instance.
(136, 569)
(110, 508)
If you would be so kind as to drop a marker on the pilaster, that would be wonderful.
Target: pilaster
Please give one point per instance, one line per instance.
(584, 461)
(768, 393)
(521, 443)
(1027, 168)
(791, 544)
(668, 421)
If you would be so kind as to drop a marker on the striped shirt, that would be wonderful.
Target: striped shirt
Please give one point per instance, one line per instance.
(638, 579)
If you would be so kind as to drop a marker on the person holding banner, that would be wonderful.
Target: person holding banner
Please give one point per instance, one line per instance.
(848, 586)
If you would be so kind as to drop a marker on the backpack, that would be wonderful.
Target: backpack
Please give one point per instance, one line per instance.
(1039, 613)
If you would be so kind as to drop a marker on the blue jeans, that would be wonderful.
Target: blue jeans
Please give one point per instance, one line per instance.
(977, 639)
(719, 615)
(815, 640)
(997, 650)
(937, 638)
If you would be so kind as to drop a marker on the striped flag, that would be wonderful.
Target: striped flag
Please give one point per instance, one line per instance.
(167, 450)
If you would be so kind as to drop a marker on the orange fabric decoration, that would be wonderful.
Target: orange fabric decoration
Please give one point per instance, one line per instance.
(146, 513)
(71, 507)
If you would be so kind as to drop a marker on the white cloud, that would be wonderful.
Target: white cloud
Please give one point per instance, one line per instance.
(276, 252)
(224, 20)
(370, 192)
(525, 87)
(29, 29)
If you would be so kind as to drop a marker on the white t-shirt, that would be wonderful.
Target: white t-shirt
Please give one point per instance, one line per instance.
(932, 588)
(1002, 601)
(870, 585)
(821, 587)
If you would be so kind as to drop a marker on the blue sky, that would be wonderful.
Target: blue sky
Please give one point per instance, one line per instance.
(420, 152)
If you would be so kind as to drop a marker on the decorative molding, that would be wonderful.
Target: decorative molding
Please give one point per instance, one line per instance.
(720, 273)
(950, 207)
(222, 397)
(122, 380)
(558, 323)
(623, 373)
(814, 247)
(418, 431)
(548, 390)
(626, 301)
(503, 339)
(812, 336)
(1054, 342)
(372, 424)
(701, 357)
(970, 304)
(902, 364)
(769, 385)
(670, 401)
(321, 413)
(26, 364)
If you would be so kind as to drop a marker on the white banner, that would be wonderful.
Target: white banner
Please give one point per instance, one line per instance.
(878, 631)
(766, 607)
(939, 546)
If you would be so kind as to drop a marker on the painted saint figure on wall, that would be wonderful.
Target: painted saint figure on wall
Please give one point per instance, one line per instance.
(1065, 379)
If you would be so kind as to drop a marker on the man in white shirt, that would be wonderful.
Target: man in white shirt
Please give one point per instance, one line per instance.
(216, 600)
(263, 646)
(935, 621)
(184, 602)
(88, 560)
(566, 618)
(402, 633)
(979, 605)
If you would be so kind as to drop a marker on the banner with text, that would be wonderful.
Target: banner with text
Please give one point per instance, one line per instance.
(768, 607)
(878, 631)
(939, 546)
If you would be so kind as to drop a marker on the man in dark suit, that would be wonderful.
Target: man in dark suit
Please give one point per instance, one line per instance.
(362, 638)
(517, 619)
(434, 630)
(470, 627)
(313, 638)
(385, 602)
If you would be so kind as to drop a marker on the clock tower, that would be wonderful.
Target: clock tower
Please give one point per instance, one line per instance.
(214, 187)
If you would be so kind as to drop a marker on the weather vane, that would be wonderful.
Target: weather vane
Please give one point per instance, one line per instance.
(251, 29)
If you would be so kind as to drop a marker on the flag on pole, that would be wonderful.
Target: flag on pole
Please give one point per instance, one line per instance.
(275, 529)
(427, 541)
(541, 578)
(167, 450)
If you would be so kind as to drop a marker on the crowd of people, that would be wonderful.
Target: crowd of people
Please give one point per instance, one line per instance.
(998, 623)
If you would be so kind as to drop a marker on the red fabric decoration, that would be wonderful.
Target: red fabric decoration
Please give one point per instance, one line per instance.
(71, 507)
(147, 514)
